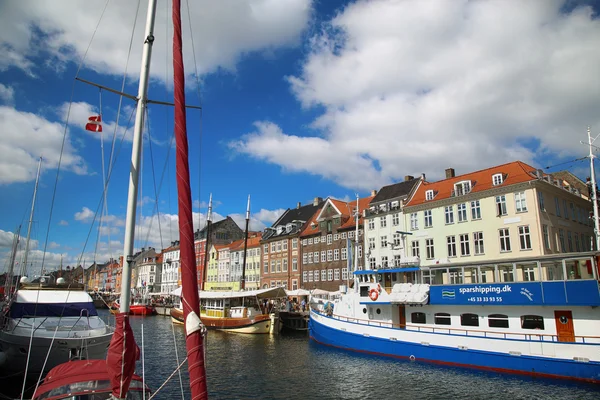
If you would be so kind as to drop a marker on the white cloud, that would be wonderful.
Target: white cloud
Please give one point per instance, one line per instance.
(223, 31)
(6, 239)
(25, 137)
(85, 215)
(438, 84)
(63, 223)
(53, 245)
(7, 94)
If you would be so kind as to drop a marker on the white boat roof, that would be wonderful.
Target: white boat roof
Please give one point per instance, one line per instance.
(52, 296)
(298, 292)
(260, 293)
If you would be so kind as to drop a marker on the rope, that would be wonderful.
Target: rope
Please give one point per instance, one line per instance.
(177, 358)
(155, 211)
(168, 379)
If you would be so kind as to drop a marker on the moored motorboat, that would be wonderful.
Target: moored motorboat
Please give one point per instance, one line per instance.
(547, 327)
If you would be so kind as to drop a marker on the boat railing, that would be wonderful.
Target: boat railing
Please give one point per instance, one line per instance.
(533, 337)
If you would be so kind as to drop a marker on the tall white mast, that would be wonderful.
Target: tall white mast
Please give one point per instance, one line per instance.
(37, 180)
(357, 216)
(594, 190)
(135, 158)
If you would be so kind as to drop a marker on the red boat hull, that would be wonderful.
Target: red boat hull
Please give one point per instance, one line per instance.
(139, 309)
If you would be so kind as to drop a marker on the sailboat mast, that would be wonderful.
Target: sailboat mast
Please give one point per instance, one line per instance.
(357, 216)
(246, 245)
(207, 244)
(11, 265)
(135, 158)
(594, 192)
(37, 180)
(189, 278)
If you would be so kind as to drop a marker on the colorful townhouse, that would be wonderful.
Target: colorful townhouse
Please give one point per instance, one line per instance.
(281, 254)
(253, 252)
(169, 280)
(385, 228)
(328, 243)
(504, 212)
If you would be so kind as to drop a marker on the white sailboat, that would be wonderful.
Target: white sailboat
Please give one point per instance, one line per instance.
(48, 322)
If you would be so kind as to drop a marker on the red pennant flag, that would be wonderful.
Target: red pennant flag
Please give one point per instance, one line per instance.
(94, 123)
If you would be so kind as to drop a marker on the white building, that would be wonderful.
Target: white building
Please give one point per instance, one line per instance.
(170, 269)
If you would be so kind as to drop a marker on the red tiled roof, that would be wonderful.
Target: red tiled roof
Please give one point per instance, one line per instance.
(345, 209)
(513, 173)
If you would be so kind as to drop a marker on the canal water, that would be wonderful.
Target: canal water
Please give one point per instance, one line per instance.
(290, 366)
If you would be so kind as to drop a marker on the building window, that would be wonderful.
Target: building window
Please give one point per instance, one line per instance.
(336, 254)
(310, 259)
(501, 205)
(397, 239)
(335, 237)
(449, 212)
(524, 237)
(396, 219)
(285, 245)
(344, 274)
(546, 236)
(557, 206)
(344, 253)
(528, 274)
(384, 262)
(266, 248)
(461, 188)
(428, 218)
(273, 244)
(383, 221)
(464, 245)
(451, 241)
(469, 319)
(295, 243)
(336, 274)
(371, 243)
(520, 202)
(415, 248)
(497, 179)
(462, 212)
(316, 256)
(414, 222)
(478, 242)
(577, 247)
(323, 275)
(570, 241)
(384, 242)
(561, 237)
(294, 264)
(442, 318)
(329, 239)
(397, 260)
(371, 224)
(323, 256)
(541, 201)
(532, 322)
(316, 240)
(418, 318)
(475, 210)
(429, 195)
(572, 206)
(504, 239)
(372, 263)
(329, 274)
(285, 265)
(305, 276)
(566, 209)
(429, 249)
(498, 321)
(329, 255)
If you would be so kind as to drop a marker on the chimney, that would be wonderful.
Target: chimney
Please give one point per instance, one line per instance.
(299, 205)
(373, 192)
(423, 176)
(450, 173)
(408, 178)
(317, 200)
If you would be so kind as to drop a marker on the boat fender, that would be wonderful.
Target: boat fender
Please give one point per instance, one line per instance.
(192, 323)
(412, 358)
(379, 288)
(373, 294)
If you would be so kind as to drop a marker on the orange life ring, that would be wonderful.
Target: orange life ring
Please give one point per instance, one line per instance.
(373, 294)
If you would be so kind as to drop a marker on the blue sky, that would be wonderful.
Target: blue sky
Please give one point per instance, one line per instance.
(300, 99)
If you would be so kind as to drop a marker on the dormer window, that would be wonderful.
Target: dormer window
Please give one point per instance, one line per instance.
(497, 179)
(288, 228)
(429, 195)
(279, 230)
(462, 188)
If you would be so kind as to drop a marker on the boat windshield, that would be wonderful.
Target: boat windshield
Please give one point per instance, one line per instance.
(81, 391)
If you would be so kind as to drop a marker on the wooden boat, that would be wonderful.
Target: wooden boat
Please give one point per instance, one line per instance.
(237, 311)
(135, 309)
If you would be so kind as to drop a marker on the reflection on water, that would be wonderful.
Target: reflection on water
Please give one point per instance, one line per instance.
(289, 366)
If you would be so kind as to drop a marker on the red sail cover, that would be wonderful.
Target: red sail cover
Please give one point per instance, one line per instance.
(123, 352)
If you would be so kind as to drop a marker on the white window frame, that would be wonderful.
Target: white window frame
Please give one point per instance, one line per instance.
(497, 179)
(520, 202)
(449, 213)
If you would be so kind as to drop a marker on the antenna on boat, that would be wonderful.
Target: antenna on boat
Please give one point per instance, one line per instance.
(593, 189)
(206, 249)
(243, 286)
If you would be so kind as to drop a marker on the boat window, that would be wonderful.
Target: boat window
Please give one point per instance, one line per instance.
(497, 321)
(364, 291)
(442, 318)
(469, 319)
(365, 310)
(418, 318)
(532, 322)
(378, 311)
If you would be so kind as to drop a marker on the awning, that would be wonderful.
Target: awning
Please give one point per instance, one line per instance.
(383, 271)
